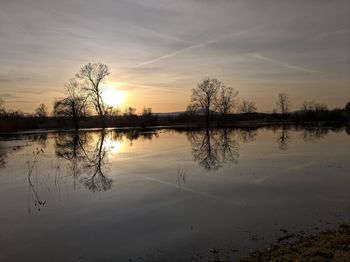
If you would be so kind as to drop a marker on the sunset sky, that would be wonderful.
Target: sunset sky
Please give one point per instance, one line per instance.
(159, 50)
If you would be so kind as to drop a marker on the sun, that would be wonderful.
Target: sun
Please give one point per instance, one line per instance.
(112, 96)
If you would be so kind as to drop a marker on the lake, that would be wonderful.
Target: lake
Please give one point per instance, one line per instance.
(168, 195)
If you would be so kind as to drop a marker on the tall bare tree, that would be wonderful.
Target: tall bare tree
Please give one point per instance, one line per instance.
(226, 100)
(74, 104)
(283, 103)
(94, 74)
(204, 96)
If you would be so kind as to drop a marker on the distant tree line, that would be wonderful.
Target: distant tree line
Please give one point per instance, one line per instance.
(212, 103)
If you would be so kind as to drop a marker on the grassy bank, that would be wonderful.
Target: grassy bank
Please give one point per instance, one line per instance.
(332, 245)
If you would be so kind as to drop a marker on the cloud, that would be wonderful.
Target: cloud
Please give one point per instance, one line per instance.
(9, 79)
(283, 64)
(9, 96)
(332, 33)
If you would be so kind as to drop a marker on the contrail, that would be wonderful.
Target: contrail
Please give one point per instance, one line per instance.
(283, 172)
(14, 23)
(267, 59)
(172, 54)
(232, 201)
(183, 50)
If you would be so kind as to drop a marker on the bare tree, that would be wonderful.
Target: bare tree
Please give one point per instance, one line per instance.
(74, 104)
(94, 74)
(204, 96)
(2, 107)
(247, 107)
(308, 106)
(226, 100)
(347, 107)
(319, 107)
(283, 103)
(313, 106)
(130, 111)
(41, 111)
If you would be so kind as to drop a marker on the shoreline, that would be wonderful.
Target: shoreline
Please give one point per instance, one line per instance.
(249, 124)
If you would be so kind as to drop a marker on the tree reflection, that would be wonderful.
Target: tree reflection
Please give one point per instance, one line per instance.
(96, 180)
(132, 135)
(88, 153)
(247, 135)
(33, 187)
(213, 148)
(283, 138)
(314, 133)
(85, 152)
(72, 147)
(2, 156)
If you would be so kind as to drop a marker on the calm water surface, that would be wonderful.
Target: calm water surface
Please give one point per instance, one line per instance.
(166, 195)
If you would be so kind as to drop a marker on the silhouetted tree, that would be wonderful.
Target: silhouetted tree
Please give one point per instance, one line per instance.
(319, 107)
(74, 104)
(283, 103)
(347, 107)
(204, 96)
(94, 74)
(130, 115)
(308, 106)
(41, 111)
(225, 102)
(130, 111)
(347, 130)
(192, 110)
(247, 107)
(147, 117)
(2, 107)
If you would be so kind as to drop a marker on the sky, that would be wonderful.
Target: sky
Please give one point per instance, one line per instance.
(158, 50)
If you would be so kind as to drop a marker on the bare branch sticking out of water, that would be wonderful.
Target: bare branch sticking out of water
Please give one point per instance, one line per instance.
(33, 194)
(181, 176)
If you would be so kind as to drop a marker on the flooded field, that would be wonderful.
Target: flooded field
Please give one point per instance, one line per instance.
(168, 195)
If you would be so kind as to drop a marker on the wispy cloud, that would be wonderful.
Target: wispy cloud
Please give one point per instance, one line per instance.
(8, 96)
(332, 33)
(282, 64)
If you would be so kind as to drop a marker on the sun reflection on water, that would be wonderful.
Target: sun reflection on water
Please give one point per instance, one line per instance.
(113, 146)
